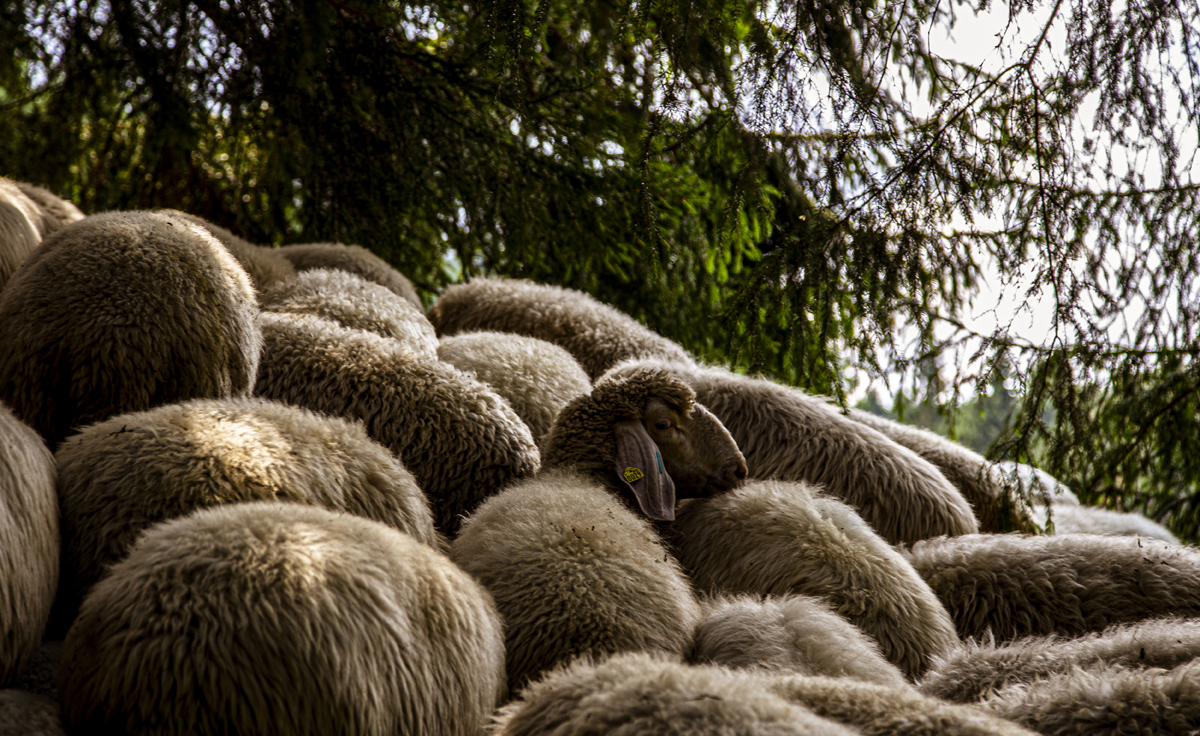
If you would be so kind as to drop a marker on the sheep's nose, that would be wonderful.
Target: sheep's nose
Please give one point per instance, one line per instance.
(735, 473)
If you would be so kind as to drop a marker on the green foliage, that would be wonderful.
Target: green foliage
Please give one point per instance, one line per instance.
(794, 188)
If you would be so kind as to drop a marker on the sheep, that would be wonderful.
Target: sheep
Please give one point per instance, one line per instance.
(1112, 699)
(29, 543)
(570, 555)
(62, 210)
(1079, 519)
(788, 634)
(123, 475)
(355, 259)
(597, 335)
(459, 439)
(24, 713)
(1037, 482)
(979, 668)
(996, 503)
(278, 618)
(19, 229)
(786, 434)
(123, 311)
(265, 266)
(637, 694)
(1016, 585)
(776, 538)
(352, 301)
(537, 378)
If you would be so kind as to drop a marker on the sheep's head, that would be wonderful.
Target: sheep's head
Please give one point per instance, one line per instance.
(644, 435)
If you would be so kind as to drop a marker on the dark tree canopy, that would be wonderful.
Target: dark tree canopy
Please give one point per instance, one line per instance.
(796, 188)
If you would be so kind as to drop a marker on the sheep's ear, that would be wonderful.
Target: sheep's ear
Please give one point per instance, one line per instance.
(640, 468)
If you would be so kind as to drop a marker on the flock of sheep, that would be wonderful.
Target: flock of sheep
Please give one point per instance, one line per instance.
(252, 490)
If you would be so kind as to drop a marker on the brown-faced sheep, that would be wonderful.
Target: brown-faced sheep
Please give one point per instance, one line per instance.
(120, 312)
(641, 695)
(998, 506)
(23, 713)
(1108, 700)
(283, 619)
(265, 266)
(537, 378)
(597, 335)
(123, 475)
(1015, 585)
(570, 557)
(29, 543)
(62, 210)
(788, 634)
(19, 229)
(355, 259)
(353, 302)
(786, 434)
(458, 437)
(776, 538)
(977, 669)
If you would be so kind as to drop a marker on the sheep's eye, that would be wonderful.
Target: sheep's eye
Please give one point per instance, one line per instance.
(662, 424)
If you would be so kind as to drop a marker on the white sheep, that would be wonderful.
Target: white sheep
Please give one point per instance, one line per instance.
(120, 476)
(776, 538)
(123, 311)
(29, 544)
(537, 378)
(461, 440)
(597, 335)
(62, 210)
(265, 266)
(1015, 585)
(1080, 519)
(355, 259)
(353, 302)
(19, 229)
(787, 434)
(976, 669)
(570, 556)
(1037, 483)
(283, 619)
(788, 634)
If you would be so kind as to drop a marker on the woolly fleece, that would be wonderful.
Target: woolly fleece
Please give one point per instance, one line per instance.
(776, 538)
(597, 335)
(120, 312)
(62, 210)
(28, 714)
(29, 544)
(265, 266)
(121, 476)
(355, 259)
(1079, 519)
(786, 434)
(19, 229)
(789, 634)
(1016, 585)
(281, 619)
(537, 378)
(459, 439)
(355, 303)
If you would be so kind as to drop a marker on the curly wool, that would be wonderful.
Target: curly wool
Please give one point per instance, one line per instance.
(122, 476)
(24, 713)
(21, 227)
(265, 266)
(643, 695)
(776, 538)
(1105, 700)
(63, 211)
(355, 303)
(1014, 585)
(355, 259)
(597, 335)
(977, 669)
(788, 634)
(537, 378)
(459, 439)
(29, 544)
(786, 434)
(277, 618)
(998, 506)
(878, 710)
(120, 312)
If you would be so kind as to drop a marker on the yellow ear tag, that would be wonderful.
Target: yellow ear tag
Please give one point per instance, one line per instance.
(632, 474)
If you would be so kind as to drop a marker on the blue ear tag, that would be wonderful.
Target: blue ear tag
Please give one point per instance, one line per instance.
(659, 459)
